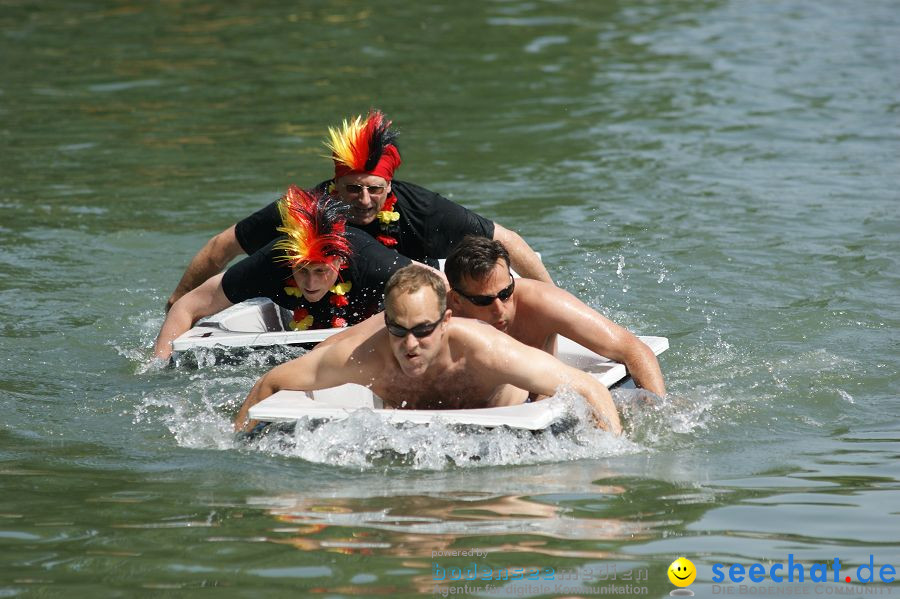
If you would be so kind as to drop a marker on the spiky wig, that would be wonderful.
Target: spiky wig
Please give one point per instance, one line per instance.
(314, 225)
(364, 146)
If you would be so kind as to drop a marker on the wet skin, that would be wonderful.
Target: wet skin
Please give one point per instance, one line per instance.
(537, 312)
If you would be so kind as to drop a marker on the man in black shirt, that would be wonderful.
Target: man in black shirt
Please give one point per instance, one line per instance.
(330, 275)
(418, 223)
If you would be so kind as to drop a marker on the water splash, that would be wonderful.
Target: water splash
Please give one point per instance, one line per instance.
(364, 440)
(148, 324)
(197, 417)
(199, 358)
(657, 423)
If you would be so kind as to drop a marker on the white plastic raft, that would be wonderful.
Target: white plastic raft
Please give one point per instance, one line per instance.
(339, 402)
(257, 322)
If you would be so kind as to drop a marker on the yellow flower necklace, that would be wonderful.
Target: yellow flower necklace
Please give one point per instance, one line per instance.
(303, 320)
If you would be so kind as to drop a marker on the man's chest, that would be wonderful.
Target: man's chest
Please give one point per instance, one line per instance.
(448, 391)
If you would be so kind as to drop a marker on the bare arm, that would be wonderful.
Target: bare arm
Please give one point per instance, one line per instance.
(211, 259)
(572, 318)
(325, 366)
(597, 395)
(206, 299)
(538, 372)
(522, 258)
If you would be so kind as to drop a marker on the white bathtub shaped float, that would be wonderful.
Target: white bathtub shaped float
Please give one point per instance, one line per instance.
(257, 322)
(339, 402)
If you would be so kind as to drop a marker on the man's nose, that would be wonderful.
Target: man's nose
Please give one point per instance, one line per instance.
(497, 306)
(364, 198)
(410, 342)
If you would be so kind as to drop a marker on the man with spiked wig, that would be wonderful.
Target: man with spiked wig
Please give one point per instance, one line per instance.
(419, 357)
(418, 223)
(326, 273)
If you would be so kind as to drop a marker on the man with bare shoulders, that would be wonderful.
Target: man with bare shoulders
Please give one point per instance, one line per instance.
(421, 358)
(534, 312)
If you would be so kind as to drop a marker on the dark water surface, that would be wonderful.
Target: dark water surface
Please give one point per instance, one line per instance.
(723, 173)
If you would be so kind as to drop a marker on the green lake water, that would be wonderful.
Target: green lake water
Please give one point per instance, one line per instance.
(723, 173)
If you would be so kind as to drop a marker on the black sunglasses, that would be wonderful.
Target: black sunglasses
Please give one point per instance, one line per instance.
(374, 190)
(419, 331)
(487, 300)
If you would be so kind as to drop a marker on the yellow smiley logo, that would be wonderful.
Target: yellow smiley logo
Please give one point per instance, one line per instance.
(682, 572)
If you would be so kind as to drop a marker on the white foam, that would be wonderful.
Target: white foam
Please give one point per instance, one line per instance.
(363, 440)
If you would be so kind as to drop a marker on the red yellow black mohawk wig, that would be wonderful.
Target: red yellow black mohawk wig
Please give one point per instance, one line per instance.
(314, 225)
(364, 146)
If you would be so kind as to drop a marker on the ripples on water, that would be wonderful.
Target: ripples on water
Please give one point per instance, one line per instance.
(720, 172)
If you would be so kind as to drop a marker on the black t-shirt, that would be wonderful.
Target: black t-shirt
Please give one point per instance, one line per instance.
(429, 226)
(262, 274)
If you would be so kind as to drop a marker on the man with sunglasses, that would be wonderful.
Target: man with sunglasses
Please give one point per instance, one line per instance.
(534, 312)
(418, 357)
(417, 223)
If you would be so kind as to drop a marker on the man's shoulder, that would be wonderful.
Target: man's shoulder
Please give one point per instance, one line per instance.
(541, 295)
(359, 239)
(366, 336)
(414, 194)
(533, 286)
(266, 262)
(407, 187)
(370, 258)
(484, 347)
(544, 309)
(470, 333)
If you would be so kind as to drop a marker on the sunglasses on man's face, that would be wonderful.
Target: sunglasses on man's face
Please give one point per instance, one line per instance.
(487, 300)
(373, 190)
(419, 331)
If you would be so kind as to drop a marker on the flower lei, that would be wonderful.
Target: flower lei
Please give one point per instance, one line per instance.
(303, 320)
(387, 217)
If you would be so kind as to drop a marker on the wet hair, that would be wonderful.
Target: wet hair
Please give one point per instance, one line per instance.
(410, 279)
(473, 258)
